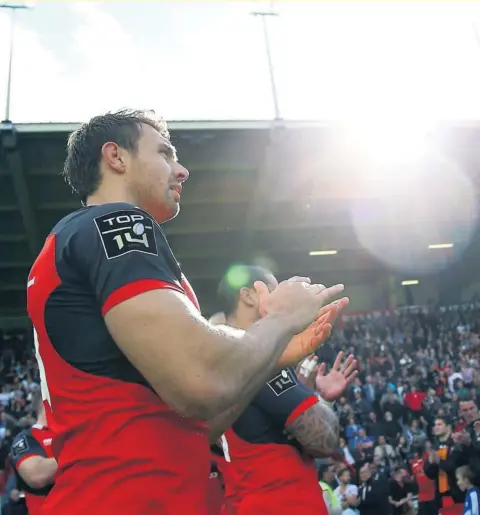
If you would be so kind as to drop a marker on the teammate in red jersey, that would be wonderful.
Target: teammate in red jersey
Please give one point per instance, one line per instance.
(269, 449)
(33, 461)
(130, 370)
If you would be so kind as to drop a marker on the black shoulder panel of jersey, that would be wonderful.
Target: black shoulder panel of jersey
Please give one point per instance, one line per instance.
(24, 446)
(100, 249)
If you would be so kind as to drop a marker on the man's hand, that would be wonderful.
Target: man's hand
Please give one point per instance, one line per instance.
(295, 299)
(313, 337)
(332, 385)
(476, 426)
(462, 438)
(352, 500)
(434, 457)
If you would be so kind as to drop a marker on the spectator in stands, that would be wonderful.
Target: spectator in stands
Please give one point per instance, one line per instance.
(384, 452)
(347, 493)
(372, 495)
(431, 403)
(466, 483)
(369, 390)
(348, 455)
(413, 401)
(403, 449)
(372, 426)
(441, 465)
(401, 492)
(452, 376)
(352, 432)
(390, 403)
(361, 407)
(390, 428)
(416, 436)
(461, 391)
(326, 480)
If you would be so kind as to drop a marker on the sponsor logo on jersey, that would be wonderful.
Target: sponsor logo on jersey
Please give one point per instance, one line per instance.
(126, 231)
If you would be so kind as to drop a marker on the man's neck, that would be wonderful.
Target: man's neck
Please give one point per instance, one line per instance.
(240, 321)
(444, 438)
(115, 193)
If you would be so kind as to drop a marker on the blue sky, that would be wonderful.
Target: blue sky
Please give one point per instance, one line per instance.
(196, 60)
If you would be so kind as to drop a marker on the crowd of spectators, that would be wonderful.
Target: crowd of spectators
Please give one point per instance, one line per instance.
(19, 380)
(416, 365)
(419, 367)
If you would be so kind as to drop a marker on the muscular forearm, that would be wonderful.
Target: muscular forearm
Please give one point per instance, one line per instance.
(198, 369)
(246, 364)
(316, 430)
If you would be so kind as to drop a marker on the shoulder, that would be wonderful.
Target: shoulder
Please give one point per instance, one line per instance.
(23, 434)
(84, 217)
(116, 228)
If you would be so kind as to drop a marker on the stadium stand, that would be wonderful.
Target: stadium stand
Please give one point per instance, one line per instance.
(299, 199)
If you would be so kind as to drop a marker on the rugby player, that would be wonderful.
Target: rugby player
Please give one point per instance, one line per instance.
(269, 466)
(32, 459)
(132, 376)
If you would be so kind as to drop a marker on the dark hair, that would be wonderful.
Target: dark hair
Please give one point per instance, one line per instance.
(229, 291)
(445, 420)
(84, 147)
(322, 468)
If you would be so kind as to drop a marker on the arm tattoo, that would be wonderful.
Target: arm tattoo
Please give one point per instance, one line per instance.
(316, 430)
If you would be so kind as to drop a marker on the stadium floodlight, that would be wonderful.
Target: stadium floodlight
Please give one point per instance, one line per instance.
(264, 15)
(322, 252)
(13, 7)
(410, 282)
(440, 246)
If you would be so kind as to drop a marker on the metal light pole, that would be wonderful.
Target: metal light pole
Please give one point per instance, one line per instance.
(263, 15)
(13, 7)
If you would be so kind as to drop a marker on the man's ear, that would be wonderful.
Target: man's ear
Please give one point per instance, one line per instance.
(114, 157)
(248, 296)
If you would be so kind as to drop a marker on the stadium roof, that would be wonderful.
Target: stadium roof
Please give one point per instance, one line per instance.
(272, 192)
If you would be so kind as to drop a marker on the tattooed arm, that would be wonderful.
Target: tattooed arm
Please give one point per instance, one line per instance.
(316, 430)
(305, 417)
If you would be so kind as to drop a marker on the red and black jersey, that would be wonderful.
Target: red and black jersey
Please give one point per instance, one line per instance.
(117, 443)
(265, 471)
(36, 441)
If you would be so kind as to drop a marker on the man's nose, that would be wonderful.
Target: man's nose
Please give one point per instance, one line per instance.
(181, 173)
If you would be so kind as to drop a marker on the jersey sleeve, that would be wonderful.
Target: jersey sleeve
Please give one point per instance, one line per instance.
(122, 251)
(284, 398)
(25, 446)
